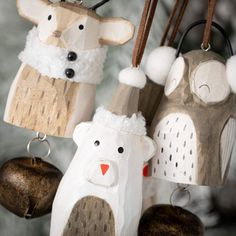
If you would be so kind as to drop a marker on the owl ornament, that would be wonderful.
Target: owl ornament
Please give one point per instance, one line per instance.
(195, 124)
(62, 63)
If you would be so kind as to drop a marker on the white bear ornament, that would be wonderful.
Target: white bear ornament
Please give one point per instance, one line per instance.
(101, 192)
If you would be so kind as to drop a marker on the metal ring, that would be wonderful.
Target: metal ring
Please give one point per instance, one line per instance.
(183, 189)
(206, 49)
(42, 141)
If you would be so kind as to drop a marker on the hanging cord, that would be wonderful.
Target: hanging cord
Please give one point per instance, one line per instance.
(207, 32)
(213, 25)
(144, 29)
(178, 22)
(182, 4)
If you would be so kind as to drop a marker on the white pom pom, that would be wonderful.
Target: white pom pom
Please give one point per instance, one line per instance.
(231, 73)
(133, 76)
(159, 64)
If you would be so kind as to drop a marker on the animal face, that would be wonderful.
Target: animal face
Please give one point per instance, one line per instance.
(74, 26)
(205, 79)
(199, 76)
(109, 156)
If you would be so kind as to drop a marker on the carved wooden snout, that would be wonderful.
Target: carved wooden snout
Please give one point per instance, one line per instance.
(57, 33)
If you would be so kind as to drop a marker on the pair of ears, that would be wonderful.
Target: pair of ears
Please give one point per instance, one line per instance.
(161, 59)
(113, 30)
(81, 132)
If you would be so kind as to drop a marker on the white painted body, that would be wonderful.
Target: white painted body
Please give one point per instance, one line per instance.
(176, 157)
(120, 185)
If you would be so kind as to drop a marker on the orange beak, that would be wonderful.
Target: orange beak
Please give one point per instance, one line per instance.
(104, 168)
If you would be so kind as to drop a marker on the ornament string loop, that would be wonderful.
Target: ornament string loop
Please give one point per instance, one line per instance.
(144, 30)
(40, 138)
(213, 25)
(182, 6)
(182, 191)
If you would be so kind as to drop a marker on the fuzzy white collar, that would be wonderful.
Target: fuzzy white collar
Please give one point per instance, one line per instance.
(52, 61)
(134, 125)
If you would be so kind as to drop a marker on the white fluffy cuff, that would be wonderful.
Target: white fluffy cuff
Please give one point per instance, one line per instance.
(133, 76)
(159, 64)
(135, 125)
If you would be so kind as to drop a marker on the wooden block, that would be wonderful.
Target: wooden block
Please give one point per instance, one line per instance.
(50, 106)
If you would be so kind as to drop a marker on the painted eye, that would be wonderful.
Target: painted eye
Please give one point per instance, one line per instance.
(121, 150)
(81, 27)
(49, 17)
(96, 143)
(209, 82)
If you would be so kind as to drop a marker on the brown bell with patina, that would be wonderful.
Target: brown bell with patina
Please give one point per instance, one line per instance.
(28, 186)
(167, 220)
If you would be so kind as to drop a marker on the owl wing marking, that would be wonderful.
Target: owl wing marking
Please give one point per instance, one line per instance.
(228, 138)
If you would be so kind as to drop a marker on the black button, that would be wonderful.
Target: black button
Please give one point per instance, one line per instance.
(72, 56)
(70, 73)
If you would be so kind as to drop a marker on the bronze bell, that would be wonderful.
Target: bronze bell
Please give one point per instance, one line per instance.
(28, 186)
(161, 220)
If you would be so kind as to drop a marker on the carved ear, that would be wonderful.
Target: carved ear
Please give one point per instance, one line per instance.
(32, 9)
(116, 31)
(80, 132)
(159, 63)
(149, 148)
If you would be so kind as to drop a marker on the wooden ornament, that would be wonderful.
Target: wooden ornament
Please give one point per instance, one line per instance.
(112, 150)
(160, 220)
(55, 88)
(195, 126)
(28, 186)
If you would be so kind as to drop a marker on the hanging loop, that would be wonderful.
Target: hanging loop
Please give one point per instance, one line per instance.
(183, 192)
(203, 22)
(206, 49)
(144, 30)
(210, 15)
(40, 138)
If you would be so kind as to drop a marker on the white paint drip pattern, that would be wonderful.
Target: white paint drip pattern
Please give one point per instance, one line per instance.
(176, 156)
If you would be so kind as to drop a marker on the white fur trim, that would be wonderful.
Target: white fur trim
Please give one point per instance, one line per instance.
(231, 73)
(159, 64)
(133, 76)
(135, 125)
(52, 61)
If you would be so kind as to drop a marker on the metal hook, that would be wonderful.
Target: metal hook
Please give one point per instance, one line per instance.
(181, 189)
(42, 138)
